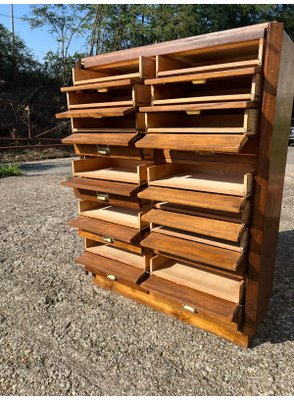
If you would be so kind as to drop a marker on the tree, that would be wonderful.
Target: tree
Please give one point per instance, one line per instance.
(64, 22)
(14, 52)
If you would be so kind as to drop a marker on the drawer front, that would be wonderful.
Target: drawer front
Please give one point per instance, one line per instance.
(192, 300)
(103, 186)
(107, 231)
(112, 270)
(113, 152)
(112, 242)
(109, 198)
(233, 207)
(206, 228)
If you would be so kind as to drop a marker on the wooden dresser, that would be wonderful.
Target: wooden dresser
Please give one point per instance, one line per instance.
(182, 150)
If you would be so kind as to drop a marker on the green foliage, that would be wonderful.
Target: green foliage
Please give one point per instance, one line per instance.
(10, 170)
(16, 60)
(64, 22)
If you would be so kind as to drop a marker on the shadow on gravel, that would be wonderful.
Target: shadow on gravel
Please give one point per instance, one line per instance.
(279, 326)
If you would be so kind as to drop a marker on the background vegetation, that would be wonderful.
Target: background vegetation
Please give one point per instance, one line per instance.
(103, 28)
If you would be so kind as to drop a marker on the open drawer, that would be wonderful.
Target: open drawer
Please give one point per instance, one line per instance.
(112, 269)
(207, 122)
(203, 229)
(116, 215)
(118, 170)
(232, 208)
(136, 69)
(233, 55)
(194, 289)
(102, 188)
(115, 96)
(227, 85)
(191, 276)
(141, 261)
(210, 131)
(228, 179)
(106, 192)
(185, 249)
(108, 233)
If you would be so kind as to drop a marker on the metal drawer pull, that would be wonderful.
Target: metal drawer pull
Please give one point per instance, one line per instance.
(111, 277)
(199, 82)
(102, 196)
(108, 239)
(189, 308)
(103, 90)
(193, 112)
(103, 150)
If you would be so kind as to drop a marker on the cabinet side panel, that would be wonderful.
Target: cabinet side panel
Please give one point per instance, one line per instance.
(275, 122)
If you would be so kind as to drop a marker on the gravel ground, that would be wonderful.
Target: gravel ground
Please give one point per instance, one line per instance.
(61, 336)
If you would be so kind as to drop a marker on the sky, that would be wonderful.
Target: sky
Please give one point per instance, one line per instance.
(38, 40)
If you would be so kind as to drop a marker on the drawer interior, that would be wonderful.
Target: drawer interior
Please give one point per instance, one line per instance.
(123, 256)
(121, 124)
(208, 121)
(116, 215)
(204, 178)
(100, 98)
(135, 69)
(215, 89)
(184, 274)
(216, 58)
(129, 171)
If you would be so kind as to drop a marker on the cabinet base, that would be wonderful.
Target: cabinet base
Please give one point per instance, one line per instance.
(223, 330)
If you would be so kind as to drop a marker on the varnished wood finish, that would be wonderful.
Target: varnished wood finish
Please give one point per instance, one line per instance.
(97, 113)
(217, 39)
(214, 143)
(123, 273)
(109, 139)
(192, 234)
(124, 189)
(275, 120)
(194, 251)
(204, 226)
(207, 201)
(104, 228)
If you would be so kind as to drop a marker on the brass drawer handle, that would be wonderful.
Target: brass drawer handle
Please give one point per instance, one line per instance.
(189, 308)
(103, 150)
(111, 277)
(102, 197)
(108, 239)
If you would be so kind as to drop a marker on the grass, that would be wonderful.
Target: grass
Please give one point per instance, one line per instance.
(10, 170)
